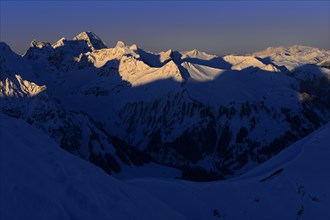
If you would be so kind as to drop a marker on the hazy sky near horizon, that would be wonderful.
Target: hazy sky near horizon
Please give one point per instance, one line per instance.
(217, 27)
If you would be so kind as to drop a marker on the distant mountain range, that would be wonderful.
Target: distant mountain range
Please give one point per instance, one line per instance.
(198, 116)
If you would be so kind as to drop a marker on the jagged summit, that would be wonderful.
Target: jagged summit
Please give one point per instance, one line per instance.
(165, 56)
(59, 43)
(91, 39)
(64, 53)
(138, 73)
(40, 44)
(16, 86)
(87, 49)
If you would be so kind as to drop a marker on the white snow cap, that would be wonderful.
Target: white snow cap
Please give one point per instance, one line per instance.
(120, 44)
(59, 43)
(133, 47)
(40, 45)
(92, 40)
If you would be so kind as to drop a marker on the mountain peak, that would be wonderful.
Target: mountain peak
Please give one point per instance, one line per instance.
(168, 52)
(85, 35)
(40, 44)
(18, 87)
(133, 47)
(91, 39)
(300, 50)
(120, 44)
(197, 54)
(59, 43)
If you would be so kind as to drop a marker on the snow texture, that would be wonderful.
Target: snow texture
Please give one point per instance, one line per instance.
(41, 181)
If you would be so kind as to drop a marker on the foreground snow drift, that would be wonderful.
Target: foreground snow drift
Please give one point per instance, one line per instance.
(292, 185)
(40, 181)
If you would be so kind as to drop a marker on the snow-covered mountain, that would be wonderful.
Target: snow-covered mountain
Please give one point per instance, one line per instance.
(292, 185)
(74, 131)
(294, 56)
(40, 181)
(210, 117)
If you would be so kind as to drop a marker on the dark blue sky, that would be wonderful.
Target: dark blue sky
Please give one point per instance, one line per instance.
(218, 27)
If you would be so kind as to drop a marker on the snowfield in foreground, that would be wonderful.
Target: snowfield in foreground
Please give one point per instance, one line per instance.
(41, 181)
(295, 184)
